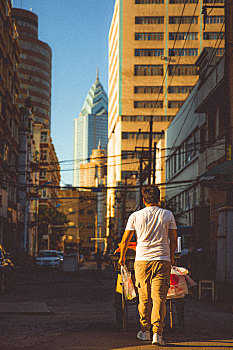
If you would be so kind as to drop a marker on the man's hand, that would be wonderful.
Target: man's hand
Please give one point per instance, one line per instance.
(173, 243)
(121, 261)
(127, 236)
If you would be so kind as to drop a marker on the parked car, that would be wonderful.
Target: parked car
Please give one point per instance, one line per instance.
(61, 255)
(48, 258)
(6, 269)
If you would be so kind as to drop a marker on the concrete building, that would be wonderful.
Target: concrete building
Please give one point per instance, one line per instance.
(47, 173)
(94, 175)
(9, 123)
(34, 67)
(199, 166)
(153, 45)
(91, 127)
(80, 208)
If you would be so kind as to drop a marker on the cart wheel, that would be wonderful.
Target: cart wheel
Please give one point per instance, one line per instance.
(121, 311)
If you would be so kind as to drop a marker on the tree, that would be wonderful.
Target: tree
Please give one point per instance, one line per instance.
(51, 221)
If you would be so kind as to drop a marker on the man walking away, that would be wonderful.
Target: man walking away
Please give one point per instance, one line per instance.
(155, 230)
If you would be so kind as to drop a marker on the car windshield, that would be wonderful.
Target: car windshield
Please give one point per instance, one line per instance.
(47, 254)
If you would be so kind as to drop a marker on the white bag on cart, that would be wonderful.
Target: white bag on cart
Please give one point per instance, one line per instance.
(178, 286)
(127, 284)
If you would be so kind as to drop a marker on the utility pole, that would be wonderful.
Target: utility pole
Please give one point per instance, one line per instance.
(150, 149)
(154, 162)
(141, 182)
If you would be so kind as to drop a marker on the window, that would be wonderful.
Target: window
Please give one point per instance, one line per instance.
(202, 138)
(183, 36)
(146, 118)
(189, 149)
(182, 69)
(179, 89)
(149, 20)
(148, 89)
(149, 36)
(142, 135)
(90, 225)
(148, 52)
(183, 52)
(44, 155)
(214, 1)
(42, 174)
(44, 136)
(214, 19)
(43, 193)
(183, 20)
(220, 52)
(144, 2)
(175, 104)
(148, 104)
(148, 70)
(213, 35)
(183, 1)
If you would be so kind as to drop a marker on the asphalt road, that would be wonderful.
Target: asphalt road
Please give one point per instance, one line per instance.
(51, 310)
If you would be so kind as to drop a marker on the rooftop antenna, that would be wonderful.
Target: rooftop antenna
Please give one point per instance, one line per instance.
(97, 73)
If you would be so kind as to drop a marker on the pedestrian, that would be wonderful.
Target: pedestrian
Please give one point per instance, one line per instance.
(98, 259)
(155, 230)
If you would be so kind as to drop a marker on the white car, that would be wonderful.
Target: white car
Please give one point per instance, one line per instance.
(48, 258)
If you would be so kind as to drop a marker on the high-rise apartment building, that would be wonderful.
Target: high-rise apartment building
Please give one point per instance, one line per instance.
(9, 124)
(34, 67)
(90, 127)
(153, 45)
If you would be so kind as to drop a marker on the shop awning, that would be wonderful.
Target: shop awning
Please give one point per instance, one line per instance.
(221, 173)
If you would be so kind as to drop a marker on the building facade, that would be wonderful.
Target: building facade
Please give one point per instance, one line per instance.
(80, 208)
(94, 175)
(91, 127)
(153, 45)
(34, 67)
(9, 123)
(199, 170)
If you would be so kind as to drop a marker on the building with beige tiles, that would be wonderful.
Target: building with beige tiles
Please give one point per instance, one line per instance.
(80, 208)
(153, 45)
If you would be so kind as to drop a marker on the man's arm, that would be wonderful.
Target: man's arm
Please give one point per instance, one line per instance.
(127, 236)
(172, 233)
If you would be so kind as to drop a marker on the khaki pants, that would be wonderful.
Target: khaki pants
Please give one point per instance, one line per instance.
(152, 281)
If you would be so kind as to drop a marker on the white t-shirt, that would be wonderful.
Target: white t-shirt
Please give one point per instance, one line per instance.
(151, 225)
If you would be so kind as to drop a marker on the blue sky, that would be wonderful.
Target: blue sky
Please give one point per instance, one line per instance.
(77, 32)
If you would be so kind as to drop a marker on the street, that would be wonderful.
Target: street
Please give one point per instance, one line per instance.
(54, 310)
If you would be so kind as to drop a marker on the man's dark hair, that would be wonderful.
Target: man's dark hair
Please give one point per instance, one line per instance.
(151, 194)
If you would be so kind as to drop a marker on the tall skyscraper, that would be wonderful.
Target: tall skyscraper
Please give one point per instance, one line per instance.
(34, 67)
(153, 45)
(90, 127)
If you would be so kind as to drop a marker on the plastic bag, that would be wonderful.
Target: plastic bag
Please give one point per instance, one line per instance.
(127, 284)
(178, 286)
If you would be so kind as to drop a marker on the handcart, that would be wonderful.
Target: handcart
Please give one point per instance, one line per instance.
(175, 296)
